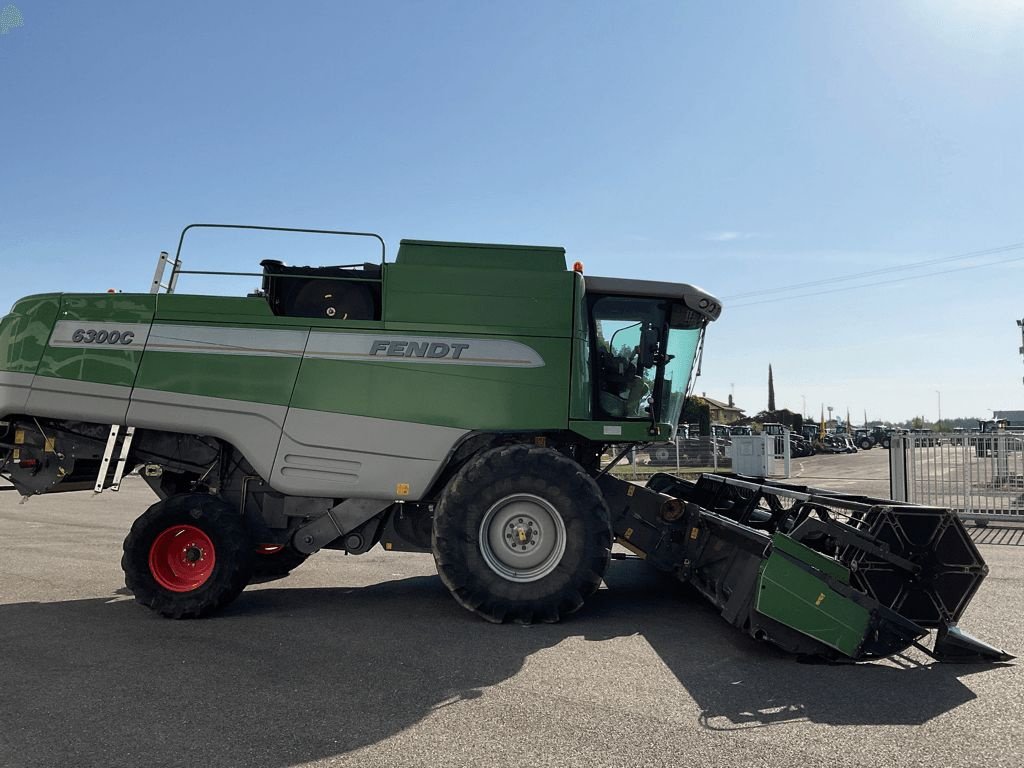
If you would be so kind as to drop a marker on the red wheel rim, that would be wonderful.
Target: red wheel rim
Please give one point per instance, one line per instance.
(182, 558)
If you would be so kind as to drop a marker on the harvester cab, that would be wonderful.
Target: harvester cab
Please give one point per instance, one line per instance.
(455, 401)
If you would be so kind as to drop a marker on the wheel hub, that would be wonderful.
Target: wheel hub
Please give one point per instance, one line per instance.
(522, 537)
(182, 558)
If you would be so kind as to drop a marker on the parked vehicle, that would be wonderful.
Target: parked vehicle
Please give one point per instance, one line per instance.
(835, 443)
(799, 446)
(864, 439)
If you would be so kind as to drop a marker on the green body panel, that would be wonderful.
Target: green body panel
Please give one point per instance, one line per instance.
(474, 398)
(803, 601)
(24, 332)
(254, 379)
(434, 253)
(221, 310)
(814, 559)
(101, 364)
(481, 301)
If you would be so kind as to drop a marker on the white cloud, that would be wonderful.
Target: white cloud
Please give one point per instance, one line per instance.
(728, 236)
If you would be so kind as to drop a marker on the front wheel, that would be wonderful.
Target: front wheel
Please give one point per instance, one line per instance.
(522, 534)
(187, 556)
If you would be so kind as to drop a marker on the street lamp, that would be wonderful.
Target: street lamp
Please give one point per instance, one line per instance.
(939, 423)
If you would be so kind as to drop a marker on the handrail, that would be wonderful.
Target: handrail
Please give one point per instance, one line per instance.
(176, 268)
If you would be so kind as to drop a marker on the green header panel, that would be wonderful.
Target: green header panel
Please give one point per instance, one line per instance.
(527, 258)
(478, 301)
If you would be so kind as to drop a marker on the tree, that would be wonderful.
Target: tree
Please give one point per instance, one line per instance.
(771, 389)
(696, 410)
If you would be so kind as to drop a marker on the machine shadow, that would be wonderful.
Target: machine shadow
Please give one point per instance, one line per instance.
(287, 676)
(1006, 535)
(738, 682)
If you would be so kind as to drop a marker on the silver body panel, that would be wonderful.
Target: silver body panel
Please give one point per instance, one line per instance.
(253, 428)
(299, 452)
(79, 400)
(340, 455)
(14, 392)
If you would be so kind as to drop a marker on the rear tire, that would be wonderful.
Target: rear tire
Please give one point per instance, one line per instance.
(522, 534)
(187, 556)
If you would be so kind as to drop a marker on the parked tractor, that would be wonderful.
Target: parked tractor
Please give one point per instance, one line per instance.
(455, 401)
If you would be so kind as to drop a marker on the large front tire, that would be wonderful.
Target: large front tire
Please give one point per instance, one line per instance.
(522, 534)
(187, 556)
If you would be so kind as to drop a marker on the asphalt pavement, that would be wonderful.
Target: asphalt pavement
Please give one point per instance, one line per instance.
(366, 661)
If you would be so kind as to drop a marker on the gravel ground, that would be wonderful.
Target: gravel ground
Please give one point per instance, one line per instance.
(367, 661)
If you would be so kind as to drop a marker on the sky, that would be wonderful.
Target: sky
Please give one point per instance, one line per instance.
(740, 147)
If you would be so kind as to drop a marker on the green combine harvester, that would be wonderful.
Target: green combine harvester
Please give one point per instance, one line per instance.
(456, 401)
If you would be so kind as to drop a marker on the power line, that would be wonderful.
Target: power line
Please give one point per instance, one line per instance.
(882, 271)
(871, 285)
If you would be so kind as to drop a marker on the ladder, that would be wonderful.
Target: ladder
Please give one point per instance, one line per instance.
(108, 455)
(158, 275)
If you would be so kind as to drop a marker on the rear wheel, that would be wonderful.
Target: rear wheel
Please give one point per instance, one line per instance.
(522, 534)
(187, 556)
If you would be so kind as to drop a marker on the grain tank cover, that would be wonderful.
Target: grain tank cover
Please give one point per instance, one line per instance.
(526, 258)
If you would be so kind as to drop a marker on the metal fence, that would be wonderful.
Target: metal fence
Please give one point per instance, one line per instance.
(980, 476)
(684, 455)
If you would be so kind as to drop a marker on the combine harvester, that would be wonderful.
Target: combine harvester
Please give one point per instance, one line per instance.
(456, 401)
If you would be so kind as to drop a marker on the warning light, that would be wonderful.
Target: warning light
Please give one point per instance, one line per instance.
(578, 267)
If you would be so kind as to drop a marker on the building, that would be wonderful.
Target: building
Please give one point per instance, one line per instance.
(1013, 417)
(723, 413)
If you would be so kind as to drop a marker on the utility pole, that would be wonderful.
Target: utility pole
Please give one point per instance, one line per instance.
(939, 422)
(1021, 324)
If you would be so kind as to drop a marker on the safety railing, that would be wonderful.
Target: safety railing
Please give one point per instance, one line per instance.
(980, 476)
